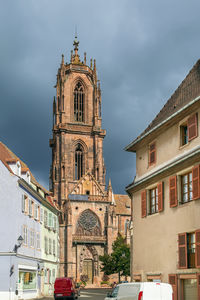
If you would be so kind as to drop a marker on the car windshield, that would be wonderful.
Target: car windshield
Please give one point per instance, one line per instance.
(115, 292)
(129, 290)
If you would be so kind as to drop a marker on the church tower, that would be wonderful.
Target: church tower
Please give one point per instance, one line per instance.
(88, 222)
(77, 144)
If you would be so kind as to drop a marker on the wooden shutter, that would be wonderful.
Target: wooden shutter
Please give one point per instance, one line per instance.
(192, 127)
(152, 153)
(160, 196)
(182, 250)
(173, 281)
(198, 285)
(143, 204)
(195, 182)
(197, 252)
(173, 191)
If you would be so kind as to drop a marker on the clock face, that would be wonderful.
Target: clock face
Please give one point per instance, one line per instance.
(88, 220)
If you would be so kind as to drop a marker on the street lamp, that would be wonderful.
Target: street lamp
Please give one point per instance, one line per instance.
(19, 243)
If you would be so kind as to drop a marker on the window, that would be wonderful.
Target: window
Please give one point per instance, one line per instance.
(41, 214)
(186, 187)
(189, 129)
(45, 218)
(184, 134)
(79, 99)
(50, 246)
(153, 199)
(54, 247)
(78, 162)
(189, 250)
(38, 241)
(25, 235)
(23, 203)
(54, 223)
(35, 211)
(27, 280)
(45, 245)
(32, 238)
(30, 208)
(53, 274)
(50, 220)
(152, 153)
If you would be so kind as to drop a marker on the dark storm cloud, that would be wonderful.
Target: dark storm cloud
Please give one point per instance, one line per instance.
(143, 49)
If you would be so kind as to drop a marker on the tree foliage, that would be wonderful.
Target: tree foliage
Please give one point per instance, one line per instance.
(119, 260)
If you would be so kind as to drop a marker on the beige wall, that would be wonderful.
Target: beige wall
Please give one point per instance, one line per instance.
(167, 148)
(155, 237)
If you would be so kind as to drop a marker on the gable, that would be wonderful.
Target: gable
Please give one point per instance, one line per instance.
(87, 185)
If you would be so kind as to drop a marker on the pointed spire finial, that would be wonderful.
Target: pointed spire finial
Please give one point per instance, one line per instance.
(76, 42)
(85, 58)
(62, 62)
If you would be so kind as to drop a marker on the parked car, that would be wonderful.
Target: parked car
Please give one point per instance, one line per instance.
(65, 288)
(141, 291)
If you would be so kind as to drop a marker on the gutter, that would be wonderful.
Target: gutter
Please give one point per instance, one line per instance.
(166, 168)
(160, 124)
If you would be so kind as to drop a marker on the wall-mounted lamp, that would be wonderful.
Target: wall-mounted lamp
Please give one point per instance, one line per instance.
(19, 243)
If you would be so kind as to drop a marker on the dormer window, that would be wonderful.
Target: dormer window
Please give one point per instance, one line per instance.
(18, 168)
(28, 177)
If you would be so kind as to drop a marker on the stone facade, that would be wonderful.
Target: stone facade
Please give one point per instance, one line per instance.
(90, 221)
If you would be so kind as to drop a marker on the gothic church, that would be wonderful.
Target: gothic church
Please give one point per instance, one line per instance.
(91, 215)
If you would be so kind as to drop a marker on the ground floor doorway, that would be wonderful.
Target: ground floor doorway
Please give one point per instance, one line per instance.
(189, 289)
(88, 269)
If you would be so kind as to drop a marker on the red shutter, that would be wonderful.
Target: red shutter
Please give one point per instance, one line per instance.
(143, 204)
(192, 127)
(197, 252)
(173, 281)
(198, 285)
(152, 153)
(182, 250)
(173, 191)
(195, 182)
(160, 196)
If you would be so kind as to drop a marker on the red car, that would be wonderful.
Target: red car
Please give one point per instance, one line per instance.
(65, 288)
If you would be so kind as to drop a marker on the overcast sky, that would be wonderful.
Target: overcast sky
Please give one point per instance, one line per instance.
(143, 50)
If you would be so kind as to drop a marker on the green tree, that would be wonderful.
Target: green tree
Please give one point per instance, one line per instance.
(119, 260)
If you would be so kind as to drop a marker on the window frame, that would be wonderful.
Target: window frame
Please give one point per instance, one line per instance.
(79, 102)
(152, 151)
(155, 190)
(189, 188)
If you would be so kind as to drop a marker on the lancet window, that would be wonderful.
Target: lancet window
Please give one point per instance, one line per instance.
(79, 101)
(78, 162)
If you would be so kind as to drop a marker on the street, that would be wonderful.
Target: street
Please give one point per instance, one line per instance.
(91, 294)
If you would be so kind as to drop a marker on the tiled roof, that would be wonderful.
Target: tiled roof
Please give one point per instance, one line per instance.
(187, 91)
(7, 156)
(123, 204)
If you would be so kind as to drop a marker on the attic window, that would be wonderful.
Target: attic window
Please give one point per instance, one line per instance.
(188, 130)
(152, 153)
(184, 134)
